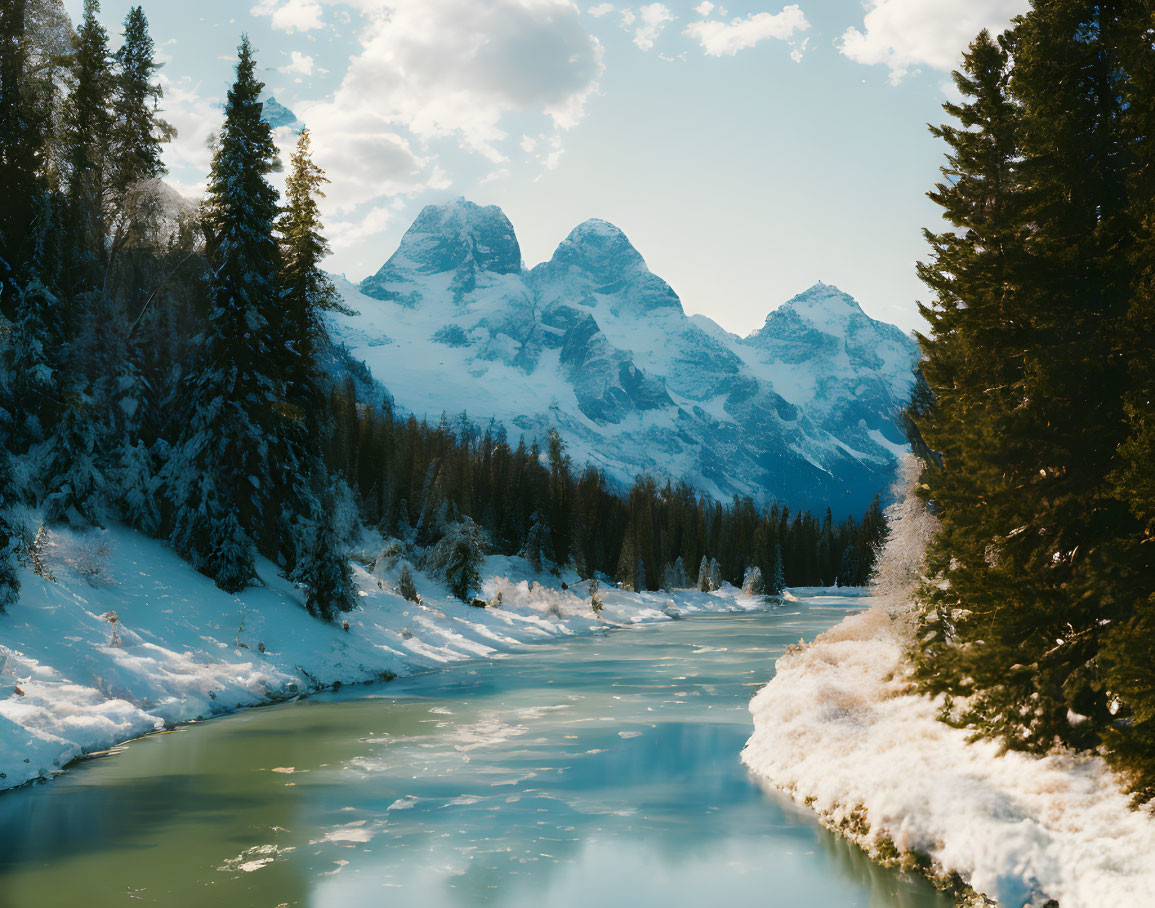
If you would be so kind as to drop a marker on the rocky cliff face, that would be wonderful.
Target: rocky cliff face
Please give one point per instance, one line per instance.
(596, 345)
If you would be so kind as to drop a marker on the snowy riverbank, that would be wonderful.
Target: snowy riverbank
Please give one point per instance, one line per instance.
(839, 731)
(184, 650)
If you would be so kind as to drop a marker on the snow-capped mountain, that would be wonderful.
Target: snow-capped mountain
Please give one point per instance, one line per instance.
(595, 344)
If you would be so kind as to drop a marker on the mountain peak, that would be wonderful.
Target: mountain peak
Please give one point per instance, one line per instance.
(458, 236)
(277, 115)
(600, 249)
(824, 298)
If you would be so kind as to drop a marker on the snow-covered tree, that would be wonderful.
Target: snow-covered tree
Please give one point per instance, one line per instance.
(715, 574)
(752, 584)
(457, 558)
(31, 365)
(137, 132)
(9, 541)
(405, 585)
(222, 475)
(704, 575)
(86, 140)
(778, 577)
(538, 548)
(674, 575)
(628, 561)
(137, 487)
(324, 568)
(74, 474)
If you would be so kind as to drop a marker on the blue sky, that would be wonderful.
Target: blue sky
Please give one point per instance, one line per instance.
(747, 149)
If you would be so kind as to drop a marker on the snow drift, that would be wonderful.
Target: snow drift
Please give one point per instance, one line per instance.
(838, 729)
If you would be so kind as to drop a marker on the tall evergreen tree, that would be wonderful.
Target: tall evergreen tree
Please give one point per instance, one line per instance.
(1129, 670)
(138, 134)
(308, 291)
(973, 357)
(23, 141)
(777, 577)
(1039, 572)
(88, 125)
(1060, 440)
(222, 474)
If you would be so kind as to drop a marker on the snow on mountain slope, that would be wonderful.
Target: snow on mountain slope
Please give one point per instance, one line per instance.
(594, 344)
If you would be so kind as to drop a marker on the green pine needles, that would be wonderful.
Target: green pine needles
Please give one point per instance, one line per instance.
(1039, 618)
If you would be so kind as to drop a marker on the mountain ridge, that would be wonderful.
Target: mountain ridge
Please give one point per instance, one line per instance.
(594, 344)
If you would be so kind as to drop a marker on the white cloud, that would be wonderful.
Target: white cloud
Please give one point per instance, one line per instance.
(299, 63)
(432, 72)
(797, 51)
(906, 34)
(196, 119)
(291, 15)
(600, 10)
(653, 17)
(704, 8)
(718, 38)
(459, 68)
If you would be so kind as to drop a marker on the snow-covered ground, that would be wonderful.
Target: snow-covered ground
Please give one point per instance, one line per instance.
(72, 682)
(838, 730)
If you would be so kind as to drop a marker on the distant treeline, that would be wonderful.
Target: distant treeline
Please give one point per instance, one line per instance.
(413, 479)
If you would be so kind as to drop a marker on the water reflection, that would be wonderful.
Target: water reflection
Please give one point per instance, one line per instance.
(593, 772)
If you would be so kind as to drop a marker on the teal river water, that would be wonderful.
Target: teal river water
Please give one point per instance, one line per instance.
(598, 771)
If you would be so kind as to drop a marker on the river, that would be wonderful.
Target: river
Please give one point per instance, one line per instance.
(594, 771)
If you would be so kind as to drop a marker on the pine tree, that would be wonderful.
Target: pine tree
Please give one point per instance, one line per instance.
(324, 570)
(305, 291)
(222, 474)
(136, 139)
(30, 361)
(9, 494)
(75, 487)
(715, 572)
(1129, 673)
(405, 585)
(23, 141)
(777, 578)
(138, 134)
(973, 358)
(627, 569)
(88, 127)
(308, 291)
(137, 487)
(538, 548)
(826, 552)
(457, 558)
(1036, 567)
(752, 583)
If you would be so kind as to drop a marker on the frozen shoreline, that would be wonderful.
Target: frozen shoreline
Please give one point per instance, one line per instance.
(839, 730)
(186, 650)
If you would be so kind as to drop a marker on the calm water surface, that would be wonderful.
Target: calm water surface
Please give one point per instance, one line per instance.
(599, 772)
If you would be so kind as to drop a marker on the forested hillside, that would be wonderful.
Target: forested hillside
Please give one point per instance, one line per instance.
(166, 366)
(1038, 620)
